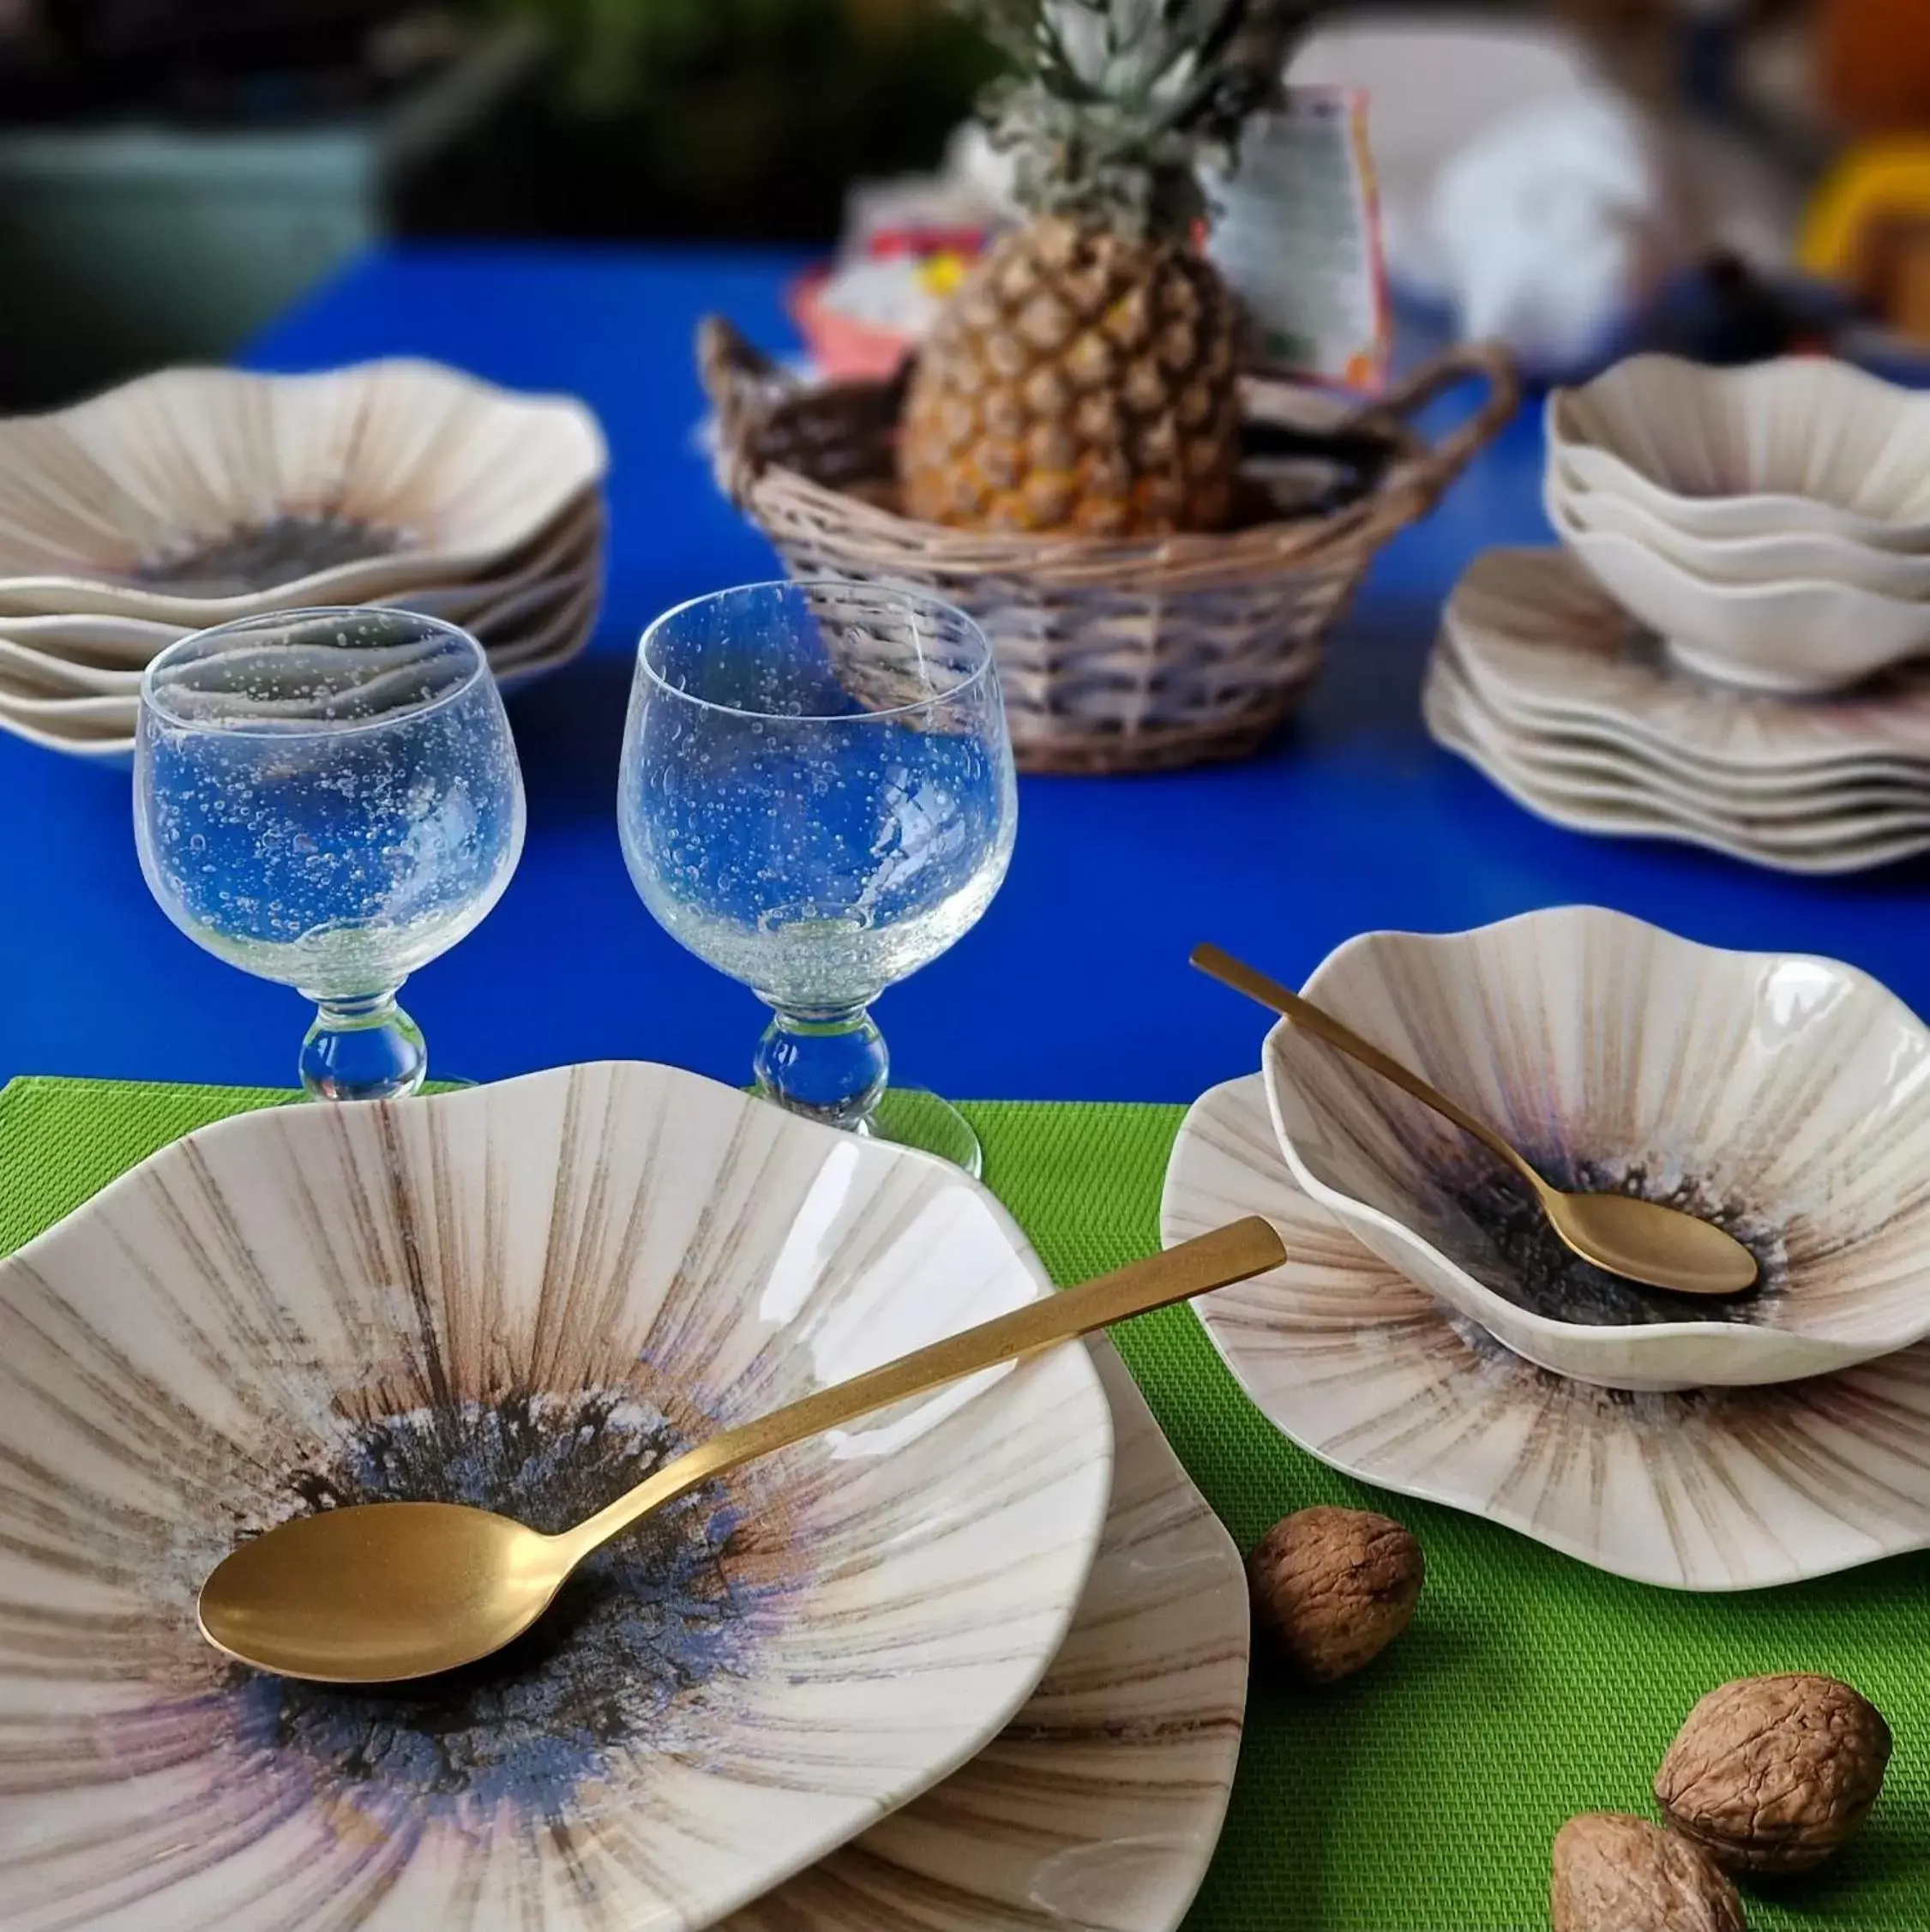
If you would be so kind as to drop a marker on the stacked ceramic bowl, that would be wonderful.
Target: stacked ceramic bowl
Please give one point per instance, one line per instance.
(1431, 1334)
(1729, 649)
(192, 497)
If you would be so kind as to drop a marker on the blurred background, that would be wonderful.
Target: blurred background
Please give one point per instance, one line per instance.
(173, 172)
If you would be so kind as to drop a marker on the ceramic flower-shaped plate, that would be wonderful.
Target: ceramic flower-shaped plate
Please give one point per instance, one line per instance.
(194, 496)
(531, 616)
(1698, 1490)
(1098, 1807)
(1587, 786)
(524, 1294)
(1542, 641)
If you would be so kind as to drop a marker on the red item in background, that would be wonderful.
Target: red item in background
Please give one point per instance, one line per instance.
(846, 348)
(843, 349)
(891, 242)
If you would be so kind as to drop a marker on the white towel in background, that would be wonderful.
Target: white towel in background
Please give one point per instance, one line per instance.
(1553, 225)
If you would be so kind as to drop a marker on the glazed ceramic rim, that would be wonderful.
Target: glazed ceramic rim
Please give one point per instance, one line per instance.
(1639, 818)
(206, 612)
(1346, 1207)
(1578, 735)
(1459, 718)
(1574, 534)
(153, 705)
(455, 1098)
(1533, 621)
(917, 600)
(1559, 434)
(1573, 496)
(1531, 709)
(1188, 1852)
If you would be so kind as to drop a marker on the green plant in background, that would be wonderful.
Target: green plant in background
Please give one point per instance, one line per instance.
(615, 54)
(744, 116)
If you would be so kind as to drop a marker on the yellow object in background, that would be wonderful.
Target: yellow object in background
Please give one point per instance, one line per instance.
(1868, 228)
(1879, 181)
(940, 274)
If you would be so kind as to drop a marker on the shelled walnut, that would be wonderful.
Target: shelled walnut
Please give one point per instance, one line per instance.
(1334, 1587)
(1615, 1873)
(1771, 1774)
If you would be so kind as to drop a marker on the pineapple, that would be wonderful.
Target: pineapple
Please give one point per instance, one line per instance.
(1083, 378)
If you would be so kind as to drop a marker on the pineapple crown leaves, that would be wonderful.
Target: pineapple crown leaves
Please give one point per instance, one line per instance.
(1118, 104)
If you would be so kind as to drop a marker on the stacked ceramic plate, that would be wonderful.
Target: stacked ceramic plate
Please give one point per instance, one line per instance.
(1542, 681)
(195, 496)
(977, 1662)
(1430, 1333)
(1728, 649)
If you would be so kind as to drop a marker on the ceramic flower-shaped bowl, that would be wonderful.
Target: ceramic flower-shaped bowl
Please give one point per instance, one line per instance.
(1786, 1098)
(1799, 444)
(522, 1296)
(1791, 635)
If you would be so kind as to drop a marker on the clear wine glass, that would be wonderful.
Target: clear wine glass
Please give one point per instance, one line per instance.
(329, 799)
(817, 797)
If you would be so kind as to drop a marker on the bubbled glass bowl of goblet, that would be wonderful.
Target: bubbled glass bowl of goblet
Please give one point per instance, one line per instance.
(331, 799)
(817, 797)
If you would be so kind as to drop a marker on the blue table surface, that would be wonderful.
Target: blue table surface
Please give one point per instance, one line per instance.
(1074, 985)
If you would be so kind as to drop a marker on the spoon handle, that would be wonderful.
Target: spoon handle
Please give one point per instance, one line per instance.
(1230, 1254)
(1230, 971)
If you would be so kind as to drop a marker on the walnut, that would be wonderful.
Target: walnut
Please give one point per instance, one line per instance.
(1335, 1588)
(1771, 1774)
(1613, 1874)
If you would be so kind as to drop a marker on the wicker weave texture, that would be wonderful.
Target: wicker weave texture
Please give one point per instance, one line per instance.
(1114, 655)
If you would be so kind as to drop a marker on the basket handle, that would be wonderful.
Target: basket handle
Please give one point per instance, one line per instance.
(1484, 362)
(743, 386)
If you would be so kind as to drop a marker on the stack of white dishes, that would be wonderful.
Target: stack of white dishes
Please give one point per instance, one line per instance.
(192, 497)
(1772, 524)
(980, 1661)
(1729, 647)
(1429, 1332)
(1544, 682)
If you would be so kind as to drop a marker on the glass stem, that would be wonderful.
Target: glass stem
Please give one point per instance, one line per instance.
(363, 1048)
(829, 1065)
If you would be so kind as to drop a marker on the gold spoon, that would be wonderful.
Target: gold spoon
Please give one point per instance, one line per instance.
(391, 1589)
(1659, 1247)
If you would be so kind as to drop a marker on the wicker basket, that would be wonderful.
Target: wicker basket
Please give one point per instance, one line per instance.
(1115, 655)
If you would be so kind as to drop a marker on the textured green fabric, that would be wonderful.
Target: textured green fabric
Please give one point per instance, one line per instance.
(1422, 1795)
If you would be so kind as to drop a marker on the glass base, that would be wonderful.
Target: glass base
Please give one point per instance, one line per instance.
(830, 1065)
(909, 1117)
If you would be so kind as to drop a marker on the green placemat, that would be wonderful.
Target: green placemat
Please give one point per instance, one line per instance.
(1422, 1795)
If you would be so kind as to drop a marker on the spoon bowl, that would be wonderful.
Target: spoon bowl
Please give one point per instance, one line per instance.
(1648, 1241)
(381, 1593)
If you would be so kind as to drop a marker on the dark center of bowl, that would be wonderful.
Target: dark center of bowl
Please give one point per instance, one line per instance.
(259, 556)
(647, 1618)
(1517, 1253)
